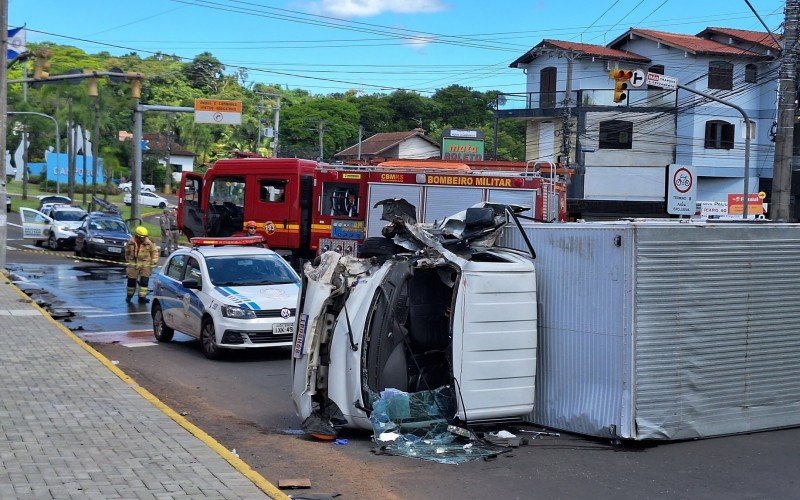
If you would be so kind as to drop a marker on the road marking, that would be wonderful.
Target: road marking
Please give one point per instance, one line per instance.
(139, 344)
(10, 248)
(113, 315)
(32, 247)
(12, 224)
(115, 332)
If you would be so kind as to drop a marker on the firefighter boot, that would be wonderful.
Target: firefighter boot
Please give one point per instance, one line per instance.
(143, 290)
(130, 290)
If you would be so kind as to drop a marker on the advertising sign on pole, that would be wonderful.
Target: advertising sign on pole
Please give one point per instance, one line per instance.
(755, 204)
(681, 190)
(217, 111)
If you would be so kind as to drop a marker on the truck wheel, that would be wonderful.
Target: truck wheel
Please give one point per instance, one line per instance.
(162, 332)
(378, 246)
(208, 340)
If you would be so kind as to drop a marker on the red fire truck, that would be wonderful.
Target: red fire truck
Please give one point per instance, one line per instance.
(303, 207)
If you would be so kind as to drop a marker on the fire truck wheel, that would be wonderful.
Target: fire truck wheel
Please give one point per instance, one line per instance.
(377, 246)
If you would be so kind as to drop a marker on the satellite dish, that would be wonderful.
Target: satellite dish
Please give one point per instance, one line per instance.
(75, 81)
(115, 78)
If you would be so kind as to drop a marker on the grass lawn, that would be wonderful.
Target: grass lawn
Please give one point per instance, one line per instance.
(14, 188)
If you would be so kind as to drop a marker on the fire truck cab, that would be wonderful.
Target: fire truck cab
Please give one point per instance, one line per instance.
(302, 207)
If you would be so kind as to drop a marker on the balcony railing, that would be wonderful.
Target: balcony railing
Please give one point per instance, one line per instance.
(636, 98)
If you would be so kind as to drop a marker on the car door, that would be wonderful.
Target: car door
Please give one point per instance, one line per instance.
(146, 199)
(169, 292)
(35, 224)
(192, 305)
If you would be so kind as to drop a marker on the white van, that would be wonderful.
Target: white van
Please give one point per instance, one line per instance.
(434, 307)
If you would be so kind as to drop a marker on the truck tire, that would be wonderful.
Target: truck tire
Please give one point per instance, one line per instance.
(378, 246)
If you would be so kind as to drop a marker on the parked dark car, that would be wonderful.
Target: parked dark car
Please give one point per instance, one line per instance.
(102, 235)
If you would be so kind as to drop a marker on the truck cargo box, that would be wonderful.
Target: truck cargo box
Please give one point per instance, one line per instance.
(666, 330)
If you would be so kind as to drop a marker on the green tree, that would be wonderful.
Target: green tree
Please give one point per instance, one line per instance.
(205, 73)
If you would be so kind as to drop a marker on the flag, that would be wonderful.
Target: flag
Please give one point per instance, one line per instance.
(16, 42)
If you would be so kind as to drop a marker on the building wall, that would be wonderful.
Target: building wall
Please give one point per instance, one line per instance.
(416, 147)
(757, 99)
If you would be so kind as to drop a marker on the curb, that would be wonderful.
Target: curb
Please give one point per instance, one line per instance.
(240, 465)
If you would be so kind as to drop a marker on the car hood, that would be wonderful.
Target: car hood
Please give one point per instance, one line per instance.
(68, 223)
(260, 297)
(110, 235)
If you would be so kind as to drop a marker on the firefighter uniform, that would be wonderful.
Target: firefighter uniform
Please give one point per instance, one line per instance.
(169, 232)
(141, 255)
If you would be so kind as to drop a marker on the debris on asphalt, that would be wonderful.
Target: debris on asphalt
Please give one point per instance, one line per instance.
(293, 432)
(314, 496)
(293, 483)
(234, 453)
(420, 424)
(114, 362)
(340, 442)
(183, 413)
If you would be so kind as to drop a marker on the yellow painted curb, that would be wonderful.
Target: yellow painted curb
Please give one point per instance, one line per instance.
(239, 464)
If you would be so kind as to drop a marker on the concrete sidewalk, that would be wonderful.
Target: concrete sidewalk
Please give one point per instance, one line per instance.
(72, 425)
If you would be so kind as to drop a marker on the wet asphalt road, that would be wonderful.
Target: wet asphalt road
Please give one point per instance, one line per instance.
(243, 401)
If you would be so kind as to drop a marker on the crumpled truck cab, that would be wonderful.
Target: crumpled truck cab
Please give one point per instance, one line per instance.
(434, 306)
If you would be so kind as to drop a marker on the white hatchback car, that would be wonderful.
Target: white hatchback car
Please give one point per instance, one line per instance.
(147, 198)
(226, 293)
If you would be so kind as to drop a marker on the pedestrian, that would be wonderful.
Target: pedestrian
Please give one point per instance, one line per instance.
(163, 223)
(174, 234)
(141, 255)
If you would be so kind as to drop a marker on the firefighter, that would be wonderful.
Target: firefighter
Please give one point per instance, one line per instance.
(141, 255)
(251, 228)
(351, 205)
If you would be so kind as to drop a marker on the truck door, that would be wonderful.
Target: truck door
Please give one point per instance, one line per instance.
(275, 212)
(190, 214)
(35, 224)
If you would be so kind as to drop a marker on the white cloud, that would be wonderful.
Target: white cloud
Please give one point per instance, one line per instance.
(369, 8)
(418, 42)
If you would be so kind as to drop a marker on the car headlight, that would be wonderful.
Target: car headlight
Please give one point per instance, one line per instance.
(97, 240)
(238, 312)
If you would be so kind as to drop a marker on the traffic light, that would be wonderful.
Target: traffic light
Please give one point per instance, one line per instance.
(620, 77)
(42, 64)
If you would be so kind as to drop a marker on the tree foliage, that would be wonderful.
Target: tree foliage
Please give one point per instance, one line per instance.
(172, 81)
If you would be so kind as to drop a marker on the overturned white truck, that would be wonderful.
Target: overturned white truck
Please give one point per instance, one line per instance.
(427, 307)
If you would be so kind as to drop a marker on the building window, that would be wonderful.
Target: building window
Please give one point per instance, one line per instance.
(751, 73)
(719, 135)
(720, 75)
(752, 130)
(616, 134)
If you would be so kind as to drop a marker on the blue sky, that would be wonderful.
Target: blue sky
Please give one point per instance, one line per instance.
(327, 46)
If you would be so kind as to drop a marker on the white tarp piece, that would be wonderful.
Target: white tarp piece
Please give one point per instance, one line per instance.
(666, 330)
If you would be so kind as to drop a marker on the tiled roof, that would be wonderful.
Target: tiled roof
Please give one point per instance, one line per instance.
(158, 142)
(756, 37)
(598, 51)
(378, 143)
(690, 43)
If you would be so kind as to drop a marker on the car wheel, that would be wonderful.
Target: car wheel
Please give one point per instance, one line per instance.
(162, 205)
(162, 332)
(78, 252)
(52, 243)
(127, 204)
(208, 340)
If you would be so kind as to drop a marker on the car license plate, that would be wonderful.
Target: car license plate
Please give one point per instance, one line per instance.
(282, 328)
(114, 249)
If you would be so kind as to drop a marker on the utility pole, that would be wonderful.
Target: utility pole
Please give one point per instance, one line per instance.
(321, 130)
(566, 125)
(276, 131)
(95, 147)
(168, 177)
(360, 138)
(3, 129)
(782, 166)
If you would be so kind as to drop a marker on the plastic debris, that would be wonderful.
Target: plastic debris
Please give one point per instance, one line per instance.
(504, 434)
(114, 362)
(340, 442)
(234, 453)
(388, 436)
(300, 482)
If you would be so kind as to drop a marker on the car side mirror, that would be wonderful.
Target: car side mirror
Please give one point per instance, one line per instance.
(191, 284)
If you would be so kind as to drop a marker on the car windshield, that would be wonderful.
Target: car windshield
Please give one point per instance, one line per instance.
(112, 225)
(250, 270)
(68, 216)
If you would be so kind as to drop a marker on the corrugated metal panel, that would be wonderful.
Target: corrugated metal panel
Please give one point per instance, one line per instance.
(718, 330)
(584, 326)
(441, 202)
(378, 192)
(525, 198)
